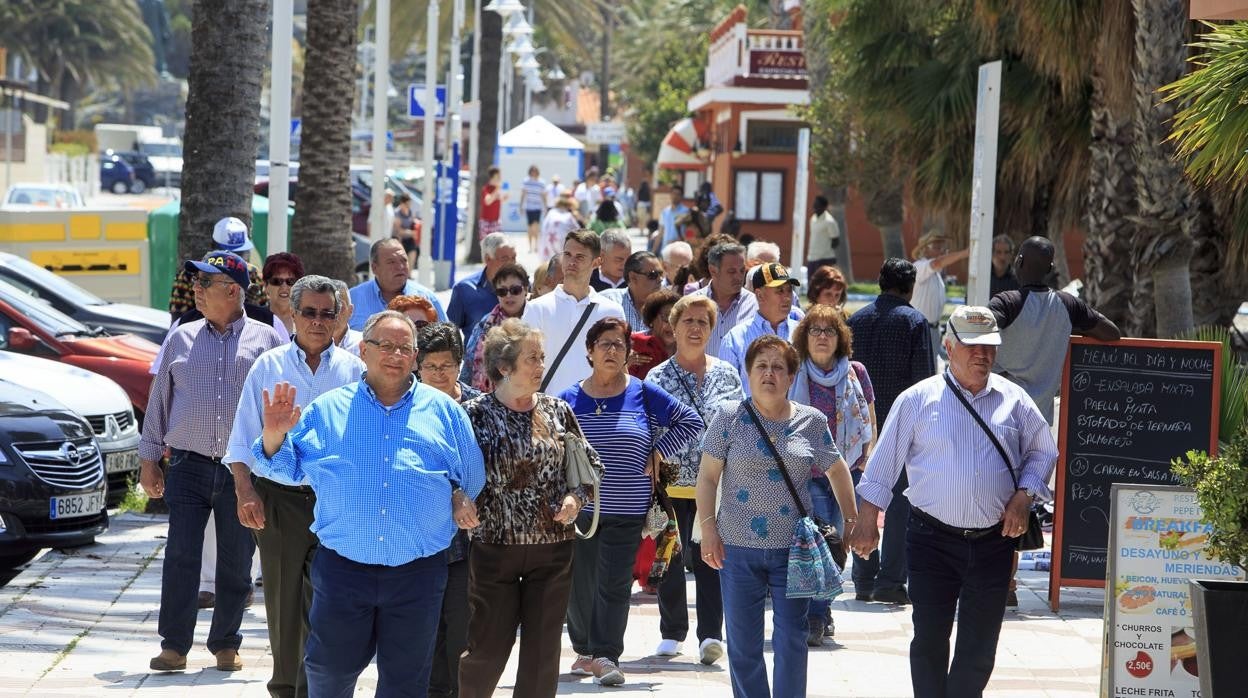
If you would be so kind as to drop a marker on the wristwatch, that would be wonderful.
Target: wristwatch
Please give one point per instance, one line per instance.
(1031, 494)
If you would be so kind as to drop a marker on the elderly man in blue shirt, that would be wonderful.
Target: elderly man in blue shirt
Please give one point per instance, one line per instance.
(773, 288)
(473, 297)
(977, 452)
(389, 460)
(278, 509)
(391, 278)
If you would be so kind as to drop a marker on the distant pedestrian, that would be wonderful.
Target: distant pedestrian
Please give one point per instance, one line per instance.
(1003, 278)
(825, 237)
(669, 219)
(533, 201)
(893, 342)
(473, 296)
(644, 197)
(553, 192)
(677, 257)
(405, 227)
(708, 205)
(588, 194)
(969, 506)
(381, 567)
(492, 198)
(931, 256)
(193, 400)
(391, 277)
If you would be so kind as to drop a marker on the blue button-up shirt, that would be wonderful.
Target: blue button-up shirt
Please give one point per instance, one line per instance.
(741, 310)
(383, 476)
(288, 364)
(739, 339)
(893, 341)
(471, 299)
(954, 471)
(667, 219)
(367, 300)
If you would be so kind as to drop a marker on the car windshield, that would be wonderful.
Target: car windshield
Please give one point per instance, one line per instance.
(30, 274)
(49, 319)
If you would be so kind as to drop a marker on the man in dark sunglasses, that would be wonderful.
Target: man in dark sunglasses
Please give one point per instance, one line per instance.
(474, 296)
(643, 274)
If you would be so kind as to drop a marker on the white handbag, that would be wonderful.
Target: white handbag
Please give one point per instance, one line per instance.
(580, 471)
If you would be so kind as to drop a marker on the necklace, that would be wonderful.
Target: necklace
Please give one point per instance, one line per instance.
(601, 405)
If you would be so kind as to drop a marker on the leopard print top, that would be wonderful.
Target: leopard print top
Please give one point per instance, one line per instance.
(525, 480)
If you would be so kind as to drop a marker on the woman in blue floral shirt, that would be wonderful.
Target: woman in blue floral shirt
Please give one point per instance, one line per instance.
(701, 382)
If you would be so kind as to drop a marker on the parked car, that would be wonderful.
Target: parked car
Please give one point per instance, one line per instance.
(96, 398)
(144, 171)
(80, 304)
(116, 175)
(51, 477)
(32, 327)
(360, 207)
(42, 196)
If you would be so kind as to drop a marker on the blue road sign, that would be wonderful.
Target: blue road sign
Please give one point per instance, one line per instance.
(416, 98)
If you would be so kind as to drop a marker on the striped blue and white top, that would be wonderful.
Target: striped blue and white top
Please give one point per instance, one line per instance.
(623, 435)
(531, 194)
(955, 473)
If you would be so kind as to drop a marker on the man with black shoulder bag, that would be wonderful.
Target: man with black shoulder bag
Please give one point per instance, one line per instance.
(977, 452)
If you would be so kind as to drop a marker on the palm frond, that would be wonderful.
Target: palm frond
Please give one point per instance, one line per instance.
(1234, 389)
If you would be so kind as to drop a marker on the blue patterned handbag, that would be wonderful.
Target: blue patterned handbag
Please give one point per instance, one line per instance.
(812, 573)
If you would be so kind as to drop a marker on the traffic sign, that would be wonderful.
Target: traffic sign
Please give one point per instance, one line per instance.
(416, 99)
(606, 133)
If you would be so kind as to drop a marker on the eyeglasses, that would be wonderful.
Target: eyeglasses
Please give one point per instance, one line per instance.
(512, 290)
(816, 331)
(653, 274)
(314, 313)
(609, 345)
(281, 281)
(207, 281)
(438, 368)
(389, 347)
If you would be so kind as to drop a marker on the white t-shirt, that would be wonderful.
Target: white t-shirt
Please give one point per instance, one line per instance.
(825, 234)
(555, 314)
(929, 291)
(588, 198)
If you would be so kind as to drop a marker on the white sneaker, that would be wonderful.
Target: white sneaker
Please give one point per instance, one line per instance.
(710, 651)
(668, 648)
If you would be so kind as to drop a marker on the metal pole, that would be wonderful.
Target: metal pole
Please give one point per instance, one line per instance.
(8, 141)
(474, 135)
(381, 86)
(425, 264)
(801, 180)
(279, 125)
(455, 134)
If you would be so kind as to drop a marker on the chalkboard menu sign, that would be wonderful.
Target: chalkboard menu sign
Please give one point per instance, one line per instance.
(1128, 408)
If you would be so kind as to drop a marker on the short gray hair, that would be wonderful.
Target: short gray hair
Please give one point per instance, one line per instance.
(672, 248)
(341, 285)
(718, 252)
(502, 346)
(490, 244)
(615, 237)
(314, 284)
(377, 318)
(758, 248)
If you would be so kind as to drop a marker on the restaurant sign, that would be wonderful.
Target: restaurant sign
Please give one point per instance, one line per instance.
(778, 63)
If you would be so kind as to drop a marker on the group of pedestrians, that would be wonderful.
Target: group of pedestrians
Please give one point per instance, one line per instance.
(708, 395)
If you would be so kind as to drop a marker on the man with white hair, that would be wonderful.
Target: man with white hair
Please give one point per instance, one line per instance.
(616, 247)
(761, 252)
(676, 256)
(473, 296)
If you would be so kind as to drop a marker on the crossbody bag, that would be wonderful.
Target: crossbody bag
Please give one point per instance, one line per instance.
(576, 331)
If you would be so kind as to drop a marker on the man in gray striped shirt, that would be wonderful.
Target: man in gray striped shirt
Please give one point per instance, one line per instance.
(967, 509)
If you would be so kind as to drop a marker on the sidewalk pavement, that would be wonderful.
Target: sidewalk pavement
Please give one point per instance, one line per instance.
(83, 623)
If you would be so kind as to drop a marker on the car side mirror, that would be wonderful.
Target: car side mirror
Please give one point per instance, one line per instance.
(20, 339)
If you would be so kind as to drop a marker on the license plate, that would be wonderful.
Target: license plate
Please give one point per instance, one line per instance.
(75, 506)
(122, 462)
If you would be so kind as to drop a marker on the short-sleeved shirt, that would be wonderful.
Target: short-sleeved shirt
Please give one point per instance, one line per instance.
(531, 194)
(720, 382)
(1036, 323)
(929, 291)
(491, 212)
(757, 509)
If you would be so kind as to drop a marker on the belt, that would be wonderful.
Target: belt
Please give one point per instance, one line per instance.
(297, 489)
(963, 533)
(197, 454)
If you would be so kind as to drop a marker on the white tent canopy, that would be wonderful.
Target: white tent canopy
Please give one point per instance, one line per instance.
(538, 132)
(541, 144)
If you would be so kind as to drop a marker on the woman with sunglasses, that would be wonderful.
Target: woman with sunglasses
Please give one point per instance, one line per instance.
(621, 418)
(281, 271)
(511, 286)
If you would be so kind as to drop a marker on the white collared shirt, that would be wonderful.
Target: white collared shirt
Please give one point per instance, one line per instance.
(555, 314)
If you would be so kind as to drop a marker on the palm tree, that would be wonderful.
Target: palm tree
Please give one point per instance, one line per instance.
(321, 231)
(228, 45)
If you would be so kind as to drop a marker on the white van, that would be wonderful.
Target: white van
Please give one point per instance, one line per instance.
(96, 398)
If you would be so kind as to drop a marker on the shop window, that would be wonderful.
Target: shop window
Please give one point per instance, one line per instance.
(771, 136)
(759, 196)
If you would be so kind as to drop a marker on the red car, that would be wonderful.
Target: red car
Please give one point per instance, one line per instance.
(31, 326)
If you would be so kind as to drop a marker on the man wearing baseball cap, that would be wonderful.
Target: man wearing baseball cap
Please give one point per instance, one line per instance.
(773, 287)
(968, 504)
(191, 410)
(229, 235)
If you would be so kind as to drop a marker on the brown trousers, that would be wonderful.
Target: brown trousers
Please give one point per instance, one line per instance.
(510, 586)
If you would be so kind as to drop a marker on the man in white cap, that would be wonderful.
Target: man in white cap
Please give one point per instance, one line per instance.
(228, 235)
(968, 505)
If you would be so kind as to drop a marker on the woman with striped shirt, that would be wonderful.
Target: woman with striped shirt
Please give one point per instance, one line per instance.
(620, 417)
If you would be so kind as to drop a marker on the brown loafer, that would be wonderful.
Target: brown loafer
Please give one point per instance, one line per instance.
(228, 660)
(168, 660)
(207, 599)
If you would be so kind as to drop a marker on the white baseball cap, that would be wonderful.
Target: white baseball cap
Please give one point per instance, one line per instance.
(973, 324)
(231, 234)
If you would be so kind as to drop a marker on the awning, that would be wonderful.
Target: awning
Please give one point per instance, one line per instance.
(676, 152)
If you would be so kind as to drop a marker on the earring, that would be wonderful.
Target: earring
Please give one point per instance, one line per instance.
(506, 378)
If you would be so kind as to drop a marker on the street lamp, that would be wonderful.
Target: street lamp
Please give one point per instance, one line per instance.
(506, 8)
(517, 25)
(556, 74)
(520, 46)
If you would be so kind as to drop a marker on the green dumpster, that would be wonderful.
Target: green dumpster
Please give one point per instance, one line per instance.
(162, 240)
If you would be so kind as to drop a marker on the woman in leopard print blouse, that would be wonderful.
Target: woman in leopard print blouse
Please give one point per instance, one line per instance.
(520, 567)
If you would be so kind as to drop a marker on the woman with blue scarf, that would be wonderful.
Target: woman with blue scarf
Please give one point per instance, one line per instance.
(841, 389)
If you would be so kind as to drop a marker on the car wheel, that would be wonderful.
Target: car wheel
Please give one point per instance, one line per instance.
(120, 187)
(138, 187)
(10, 561)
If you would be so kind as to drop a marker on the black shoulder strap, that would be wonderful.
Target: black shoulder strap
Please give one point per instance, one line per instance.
(980, 420)
(550, 373)
(775, 454)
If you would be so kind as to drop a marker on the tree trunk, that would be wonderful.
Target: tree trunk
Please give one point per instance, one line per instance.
(228, 49)
(487, 121)
(1111, 172)
(321, 231)
(1168, 207)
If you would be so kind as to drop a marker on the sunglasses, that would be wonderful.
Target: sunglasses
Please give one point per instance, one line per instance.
(281, 281)
(313, 313)
(512, 290)
(208, 280)
(653, 274)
